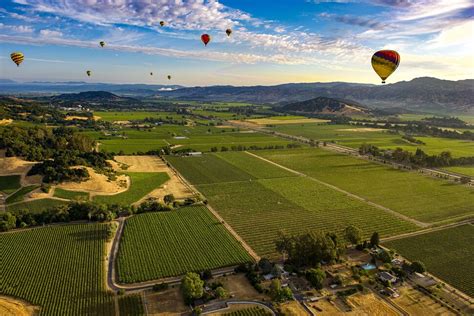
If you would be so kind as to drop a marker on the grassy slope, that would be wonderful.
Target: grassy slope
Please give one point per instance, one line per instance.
(59, 268)
(9, 184)
(71, 195)
(466, 170)
(142, 183)
(448, 254)
(20, 194)
(157, 245)
(35, 206)
(420, 197)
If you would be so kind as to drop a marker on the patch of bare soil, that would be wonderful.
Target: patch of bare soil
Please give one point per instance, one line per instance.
(82, 118)
(268, 121)
(14, 165)
(142, 163)
(5, 122)
(169, 302)
(98, 184)
(239, 287)
(292, 308)
(369, 304)
(14, 307)
(324, 307)
(417, 303)
(224, 126)
(121, 122)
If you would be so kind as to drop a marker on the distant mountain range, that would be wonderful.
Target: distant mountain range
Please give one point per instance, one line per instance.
(324, 105)
(424, 94)
(91, 96)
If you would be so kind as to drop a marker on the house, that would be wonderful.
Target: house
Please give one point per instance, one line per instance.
(387, 277)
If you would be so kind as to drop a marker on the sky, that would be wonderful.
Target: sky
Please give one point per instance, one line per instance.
(273, 42)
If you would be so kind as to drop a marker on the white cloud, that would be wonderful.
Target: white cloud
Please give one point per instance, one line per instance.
(17, 28)
(50, 33)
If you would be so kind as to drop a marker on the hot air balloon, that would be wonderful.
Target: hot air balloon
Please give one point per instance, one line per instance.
(385, 62)
(151, 74)
(17, 58)
(228, 32)
(169, 77)
(102, 43)
(88, 72)
(162, 23)
(205, 38)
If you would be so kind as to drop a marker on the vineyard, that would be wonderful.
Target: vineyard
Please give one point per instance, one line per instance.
(448, 254)
(35, 206)
(71, 195)
(157, 245)
(423, 198)
(59, 268)
(142, 183)
(19, 195)
(260, 208)
(253, 311)
(131, 305)
(9, 184)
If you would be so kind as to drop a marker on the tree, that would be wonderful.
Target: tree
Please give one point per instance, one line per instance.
(283, 244)
(265, 265)
(192, 287)
(465, 180)
(169, 198)
(353, 234)
(7, 222)
(374, 239)
(418, 266)
(316, 277)
(221, 293)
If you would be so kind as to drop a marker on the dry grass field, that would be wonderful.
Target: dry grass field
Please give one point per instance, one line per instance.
(15, 307)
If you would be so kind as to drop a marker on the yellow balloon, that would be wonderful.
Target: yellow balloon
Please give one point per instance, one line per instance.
(17, 58)
(385, 62)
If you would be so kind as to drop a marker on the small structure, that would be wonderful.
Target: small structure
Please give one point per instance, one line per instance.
(389, 291)
(397, 262)
(180, 137)
(194, 153)
(368, 266)
(387, 277)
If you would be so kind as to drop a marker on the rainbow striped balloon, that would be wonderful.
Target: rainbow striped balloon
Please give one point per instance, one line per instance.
(385, 62)
(17, 58)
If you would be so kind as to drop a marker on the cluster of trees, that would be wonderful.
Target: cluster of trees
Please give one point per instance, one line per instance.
(193, 288)
(254, 147)
(445, 121)
(425, 129)
(58, 149)
(419, 158)
(412, 139)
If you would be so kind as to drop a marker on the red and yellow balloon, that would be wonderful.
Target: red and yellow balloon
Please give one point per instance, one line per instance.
(385, 62)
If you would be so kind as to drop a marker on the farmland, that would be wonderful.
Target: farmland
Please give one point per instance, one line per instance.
(142, 183)
(35, 206)
(353, 136)
(58, 268)
(71, 195)
(257, 206)
(423, 198)
(20, 194)
(447, 254)
(199, 138)
(131, 305)
(136, 115)
(9, 184)
(156, 245)
(466, 170)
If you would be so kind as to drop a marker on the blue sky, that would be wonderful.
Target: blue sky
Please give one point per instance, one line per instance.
(272, 42)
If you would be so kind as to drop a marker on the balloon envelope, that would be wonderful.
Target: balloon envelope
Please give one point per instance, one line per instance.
(228, 32)
(169, 77)
(88, 72)
(385, 62)
(205, 38)
(102, 44)
(17, 58)
(162, 23)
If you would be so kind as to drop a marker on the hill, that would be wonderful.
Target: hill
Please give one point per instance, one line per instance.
(326, 105)
(91, 96)
(420, 94)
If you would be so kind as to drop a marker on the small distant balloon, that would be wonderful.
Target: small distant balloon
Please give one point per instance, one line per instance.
(151, 73)
(228, 32)
(162, 23)
(102, 43)
(88, 72)
(169, 77)
(385, 62)
(205, 38)
(17, 58)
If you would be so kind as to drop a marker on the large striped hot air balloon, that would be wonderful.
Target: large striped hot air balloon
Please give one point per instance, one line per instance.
(17, 58)
(385, 62)
(205, 38)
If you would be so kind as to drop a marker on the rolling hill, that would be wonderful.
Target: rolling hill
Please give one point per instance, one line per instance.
(326, 105)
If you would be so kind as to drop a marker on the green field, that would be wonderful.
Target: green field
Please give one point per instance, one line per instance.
(35, 206)
(466, 170)
(19, 195)
(267, 199)
(71, 195)
(9, 184)
(141, 184)
(157, 245)
(60, 268)
(448, 254)
(423, 198)
(136, 115)
(354, 136)
(199, 138)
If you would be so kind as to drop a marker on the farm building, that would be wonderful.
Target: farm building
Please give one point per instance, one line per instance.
(194, 153)
(387, 277)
